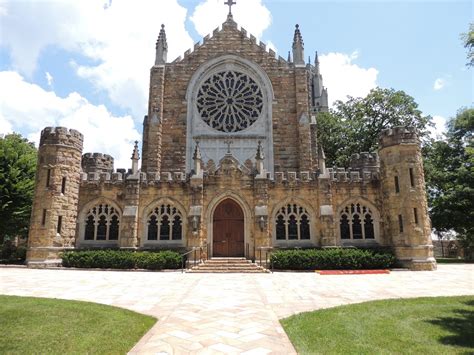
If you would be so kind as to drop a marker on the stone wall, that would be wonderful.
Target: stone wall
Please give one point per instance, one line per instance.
(169, 83)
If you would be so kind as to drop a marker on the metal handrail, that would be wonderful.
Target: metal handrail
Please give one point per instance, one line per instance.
(268, 252)
(193, 251)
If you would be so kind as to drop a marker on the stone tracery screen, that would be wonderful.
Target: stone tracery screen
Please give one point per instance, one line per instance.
(229, 101)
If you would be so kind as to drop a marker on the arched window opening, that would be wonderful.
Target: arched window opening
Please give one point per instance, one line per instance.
(292, 223)
(166, 222)
(356, 222)
(152, 228)
(345, 229)
(280, 228)
(114, 228)
(102, 223)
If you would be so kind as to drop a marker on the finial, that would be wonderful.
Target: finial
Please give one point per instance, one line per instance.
(230, 3)
(135, 158)
(316, 58)
(298, 47)
(161, 47)
(135, 154)
(289, 57)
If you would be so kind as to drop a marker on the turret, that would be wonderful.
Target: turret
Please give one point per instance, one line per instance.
(405, 209)
(161, 47)
(298, 47)
(54, 212)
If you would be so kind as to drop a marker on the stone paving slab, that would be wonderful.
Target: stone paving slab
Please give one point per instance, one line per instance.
(228, 313)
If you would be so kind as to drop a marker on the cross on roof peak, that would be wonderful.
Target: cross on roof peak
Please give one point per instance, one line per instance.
(230, 3)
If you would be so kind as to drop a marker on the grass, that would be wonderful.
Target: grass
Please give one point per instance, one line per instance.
(50, 326)
(439, 325)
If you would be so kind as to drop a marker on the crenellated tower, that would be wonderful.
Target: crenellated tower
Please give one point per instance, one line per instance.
(405, 208)
(54, 212)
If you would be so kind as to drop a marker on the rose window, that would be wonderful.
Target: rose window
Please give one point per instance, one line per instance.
(229, 101)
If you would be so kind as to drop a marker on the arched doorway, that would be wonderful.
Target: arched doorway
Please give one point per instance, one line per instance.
(228, 230)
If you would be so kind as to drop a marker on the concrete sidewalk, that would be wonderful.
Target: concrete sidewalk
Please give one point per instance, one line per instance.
(228, 313)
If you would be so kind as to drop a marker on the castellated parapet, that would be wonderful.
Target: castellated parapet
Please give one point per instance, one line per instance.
(398, 135)
(97, 163)
(54, 212)
(365, 162)
(405, 207)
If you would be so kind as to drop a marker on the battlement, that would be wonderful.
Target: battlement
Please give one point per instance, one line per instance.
(121, 175)
(365, 161)
(398, 135)
(249, 37)
(97, 162)
(62, 136)
(349, 175)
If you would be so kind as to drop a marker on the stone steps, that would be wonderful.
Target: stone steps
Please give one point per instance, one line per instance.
(227, 265)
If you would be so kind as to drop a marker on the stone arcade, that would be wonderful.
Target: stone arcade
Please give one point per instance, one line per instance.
(231, 160)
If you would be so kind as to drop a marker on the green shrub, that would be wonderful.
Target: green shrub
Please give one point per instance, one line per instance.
(331, 259)
(11, 254)
(120, 259)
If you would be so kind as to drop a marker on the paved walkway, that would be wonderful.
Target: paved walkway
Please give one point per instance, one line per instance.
(228, 313)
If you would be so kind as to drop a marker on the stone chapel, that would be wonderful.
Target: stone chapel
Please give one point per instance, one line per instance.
(231, 160)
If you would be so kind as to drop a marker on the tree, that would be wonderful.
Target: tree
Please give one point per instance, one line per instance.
(468, 40)
(17, 178)
(354, 126)
(449, 172)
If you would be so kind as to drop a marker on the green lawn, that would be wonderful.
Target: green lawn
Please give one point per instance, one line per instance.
(51, 326)
(453, 261)
(440, 325)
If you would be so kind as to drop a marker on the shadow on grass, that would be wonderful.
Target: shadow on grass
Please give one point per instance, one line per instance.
(461, 327)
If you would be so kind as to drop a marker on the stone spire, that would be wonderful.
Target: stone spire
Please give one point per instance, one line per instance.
(289, 57)
(161, 47)
(298, 47)
(135, 158)
(316, 62)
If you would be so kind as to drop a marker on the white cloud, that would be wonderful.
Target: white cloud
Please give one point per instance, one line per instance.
(342, 77)
(103, 132)
(439, 84)
(271, 45)
(49, 79)
(119, 38)
(250, 14)
(439, 127)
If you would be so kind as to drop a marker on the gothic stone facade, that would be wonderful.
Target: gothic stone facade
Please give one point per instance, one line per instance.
(231, 160)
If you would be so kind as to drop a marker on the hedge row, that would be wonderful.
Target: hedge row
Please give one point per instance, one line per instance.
(120, 259)
(331, 259)
(11, 254)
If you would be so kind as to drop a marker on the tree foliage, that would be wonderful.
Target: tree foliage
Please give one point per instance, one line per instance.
(354, 126)
(449, 172)
(17, 177)
(468, 40)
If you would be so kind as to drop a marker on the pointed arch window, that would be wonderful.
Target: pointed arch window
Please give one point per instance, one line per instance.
(165, 223)
(356, 222)
(102, 223)
(292, 222)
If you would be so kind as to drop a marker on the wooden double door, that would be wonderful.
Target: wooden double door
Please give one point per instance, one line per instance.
(228, 230)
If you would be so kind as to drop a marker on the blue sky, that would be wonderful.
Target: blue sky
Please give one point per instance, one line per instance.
(85, 64)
